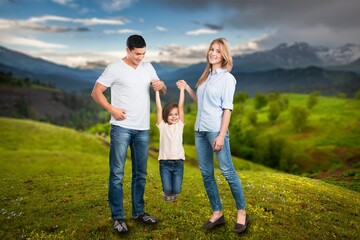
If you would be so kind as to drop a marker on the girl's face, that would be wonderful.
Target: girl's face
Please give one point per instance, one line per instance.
(173, 116)
(215, 56)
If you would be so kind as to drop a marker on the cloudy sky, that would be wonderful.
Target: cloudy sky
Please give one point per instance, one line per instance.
(76, 32)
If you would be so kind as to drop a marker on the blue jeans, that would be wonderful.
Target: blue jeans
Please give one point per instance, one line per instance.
(205, 155)
(138, 140)
(171, 172)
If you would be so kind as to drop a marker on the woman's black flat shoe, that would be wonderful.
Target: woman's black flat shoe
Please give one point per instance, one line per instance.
(219, 221)
(239, 228)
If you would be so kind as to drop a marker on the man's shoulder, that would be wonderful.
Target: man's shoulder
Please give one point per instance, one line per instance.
(147, 64)
(116, 64)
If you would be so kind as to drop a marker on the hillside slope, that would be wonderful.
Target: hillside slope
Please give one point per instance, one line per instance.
(54, 186)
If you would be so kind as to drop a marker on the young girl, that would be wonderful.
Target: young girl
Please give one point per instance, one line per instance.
(170, 122)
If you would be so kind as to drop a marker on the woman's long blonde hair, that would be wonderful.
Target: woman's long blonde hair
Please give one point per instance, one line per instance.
(227, 59)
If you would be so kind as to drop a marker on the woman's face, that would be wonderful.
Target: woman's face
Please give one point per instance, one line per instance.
(215, 56)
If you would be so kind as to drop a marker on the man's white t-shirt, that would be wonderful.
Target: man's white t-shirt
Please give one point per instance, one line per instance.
(130, 90)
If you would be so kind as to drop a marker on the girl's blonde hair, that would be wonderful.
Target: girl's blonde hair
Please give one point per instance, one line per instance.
(227, 59)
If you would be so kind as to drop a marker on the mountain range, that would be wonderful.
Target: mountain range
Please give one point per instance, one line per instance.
(63, 77)
(294, 67)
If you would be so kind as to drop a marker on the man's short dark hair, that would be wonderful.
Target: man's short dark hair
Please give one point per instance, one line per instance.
(135, 41)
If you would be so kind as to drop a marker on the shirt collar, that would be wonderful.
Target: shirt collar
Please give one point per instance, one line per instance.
(218, 70)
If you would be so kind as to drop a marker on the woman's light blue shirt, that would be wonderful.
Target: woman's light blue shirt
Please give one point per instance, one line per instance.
(213, 96)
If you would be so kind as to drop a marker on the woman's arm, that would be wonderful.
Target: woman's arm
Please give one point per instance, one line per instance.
(192, 94)
(219, 140)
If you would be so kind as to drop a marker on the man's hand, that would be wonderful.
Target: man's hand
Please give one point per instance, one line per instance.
(118, 113)
(157, 85)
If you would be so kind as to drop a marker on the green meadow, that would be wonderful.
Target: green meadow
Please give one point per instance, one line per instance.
(54, 186)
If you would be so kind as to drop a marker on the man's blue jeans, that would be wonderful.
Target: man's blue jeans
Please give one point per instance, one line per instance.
(205, 155)
(171, 172)
(138, 140)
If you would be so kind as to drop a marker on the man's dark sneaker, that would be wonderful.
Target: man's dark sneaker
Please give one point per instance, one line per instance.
(146, 218)
(120, 226)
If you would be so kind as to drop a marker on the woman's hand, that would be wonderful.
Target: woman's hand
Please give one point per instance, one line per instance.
(218, 143)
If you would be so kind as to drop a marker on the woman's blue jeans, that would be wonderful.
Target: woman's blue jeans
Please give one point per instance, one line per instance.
(205, 155)
(171, 172)
(138, 140)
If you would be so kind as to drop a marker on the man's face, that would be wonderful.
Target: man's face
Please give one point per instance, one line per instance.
(136, 55)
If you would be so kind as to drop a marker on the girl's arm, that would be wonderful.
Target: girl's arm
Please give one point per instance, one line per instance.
(188, 89)
(181, 104)
(158, 107)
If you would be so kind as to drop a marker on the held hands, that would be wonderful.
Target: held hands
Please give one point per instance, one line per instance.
(181, 84)
(157, 85)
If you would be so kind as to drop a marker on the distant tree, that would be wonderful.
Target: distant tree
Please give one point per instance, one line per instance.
(22, 108)
(274, 111)
(260, 101)
(273, 96)
(283, 102)
(341, 95)
(312, 99)
(252, 117)
(240, 97)
(357, 95)
(299, 116)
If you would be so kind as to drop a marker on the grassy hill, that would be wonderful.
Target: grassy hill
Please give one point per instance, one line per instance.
(54, 186)
(327, 147)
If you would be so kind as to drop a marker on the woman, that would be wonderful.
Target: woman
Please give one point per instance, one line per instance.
(214, 96)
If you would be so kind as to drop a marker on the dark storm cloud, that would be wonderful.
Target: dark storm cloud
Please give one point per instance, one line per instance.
(210, 26)
(316, 21)
(269, 13)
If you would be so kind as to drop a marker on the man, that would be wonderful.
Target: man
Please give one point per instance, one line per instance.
(129, 80)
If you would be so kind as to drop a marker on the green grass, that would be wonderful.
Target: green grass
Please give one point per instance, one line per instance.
(54, 186)
(327, 147)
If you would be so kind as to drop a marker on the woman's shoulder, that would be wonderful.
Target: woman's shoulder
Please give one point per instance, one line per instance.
(228, 76)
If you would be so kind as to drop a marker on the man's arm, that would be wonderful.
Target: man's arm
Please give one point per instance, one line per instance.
(98, 95)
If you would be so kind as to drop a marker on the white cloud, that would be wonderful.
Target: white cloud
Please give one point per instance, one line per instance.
(78, 58)
(28, 42)
(161, 29)
(85, 21)
(115, 5)
(121, 31)
(62, 2)
(201, 31)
